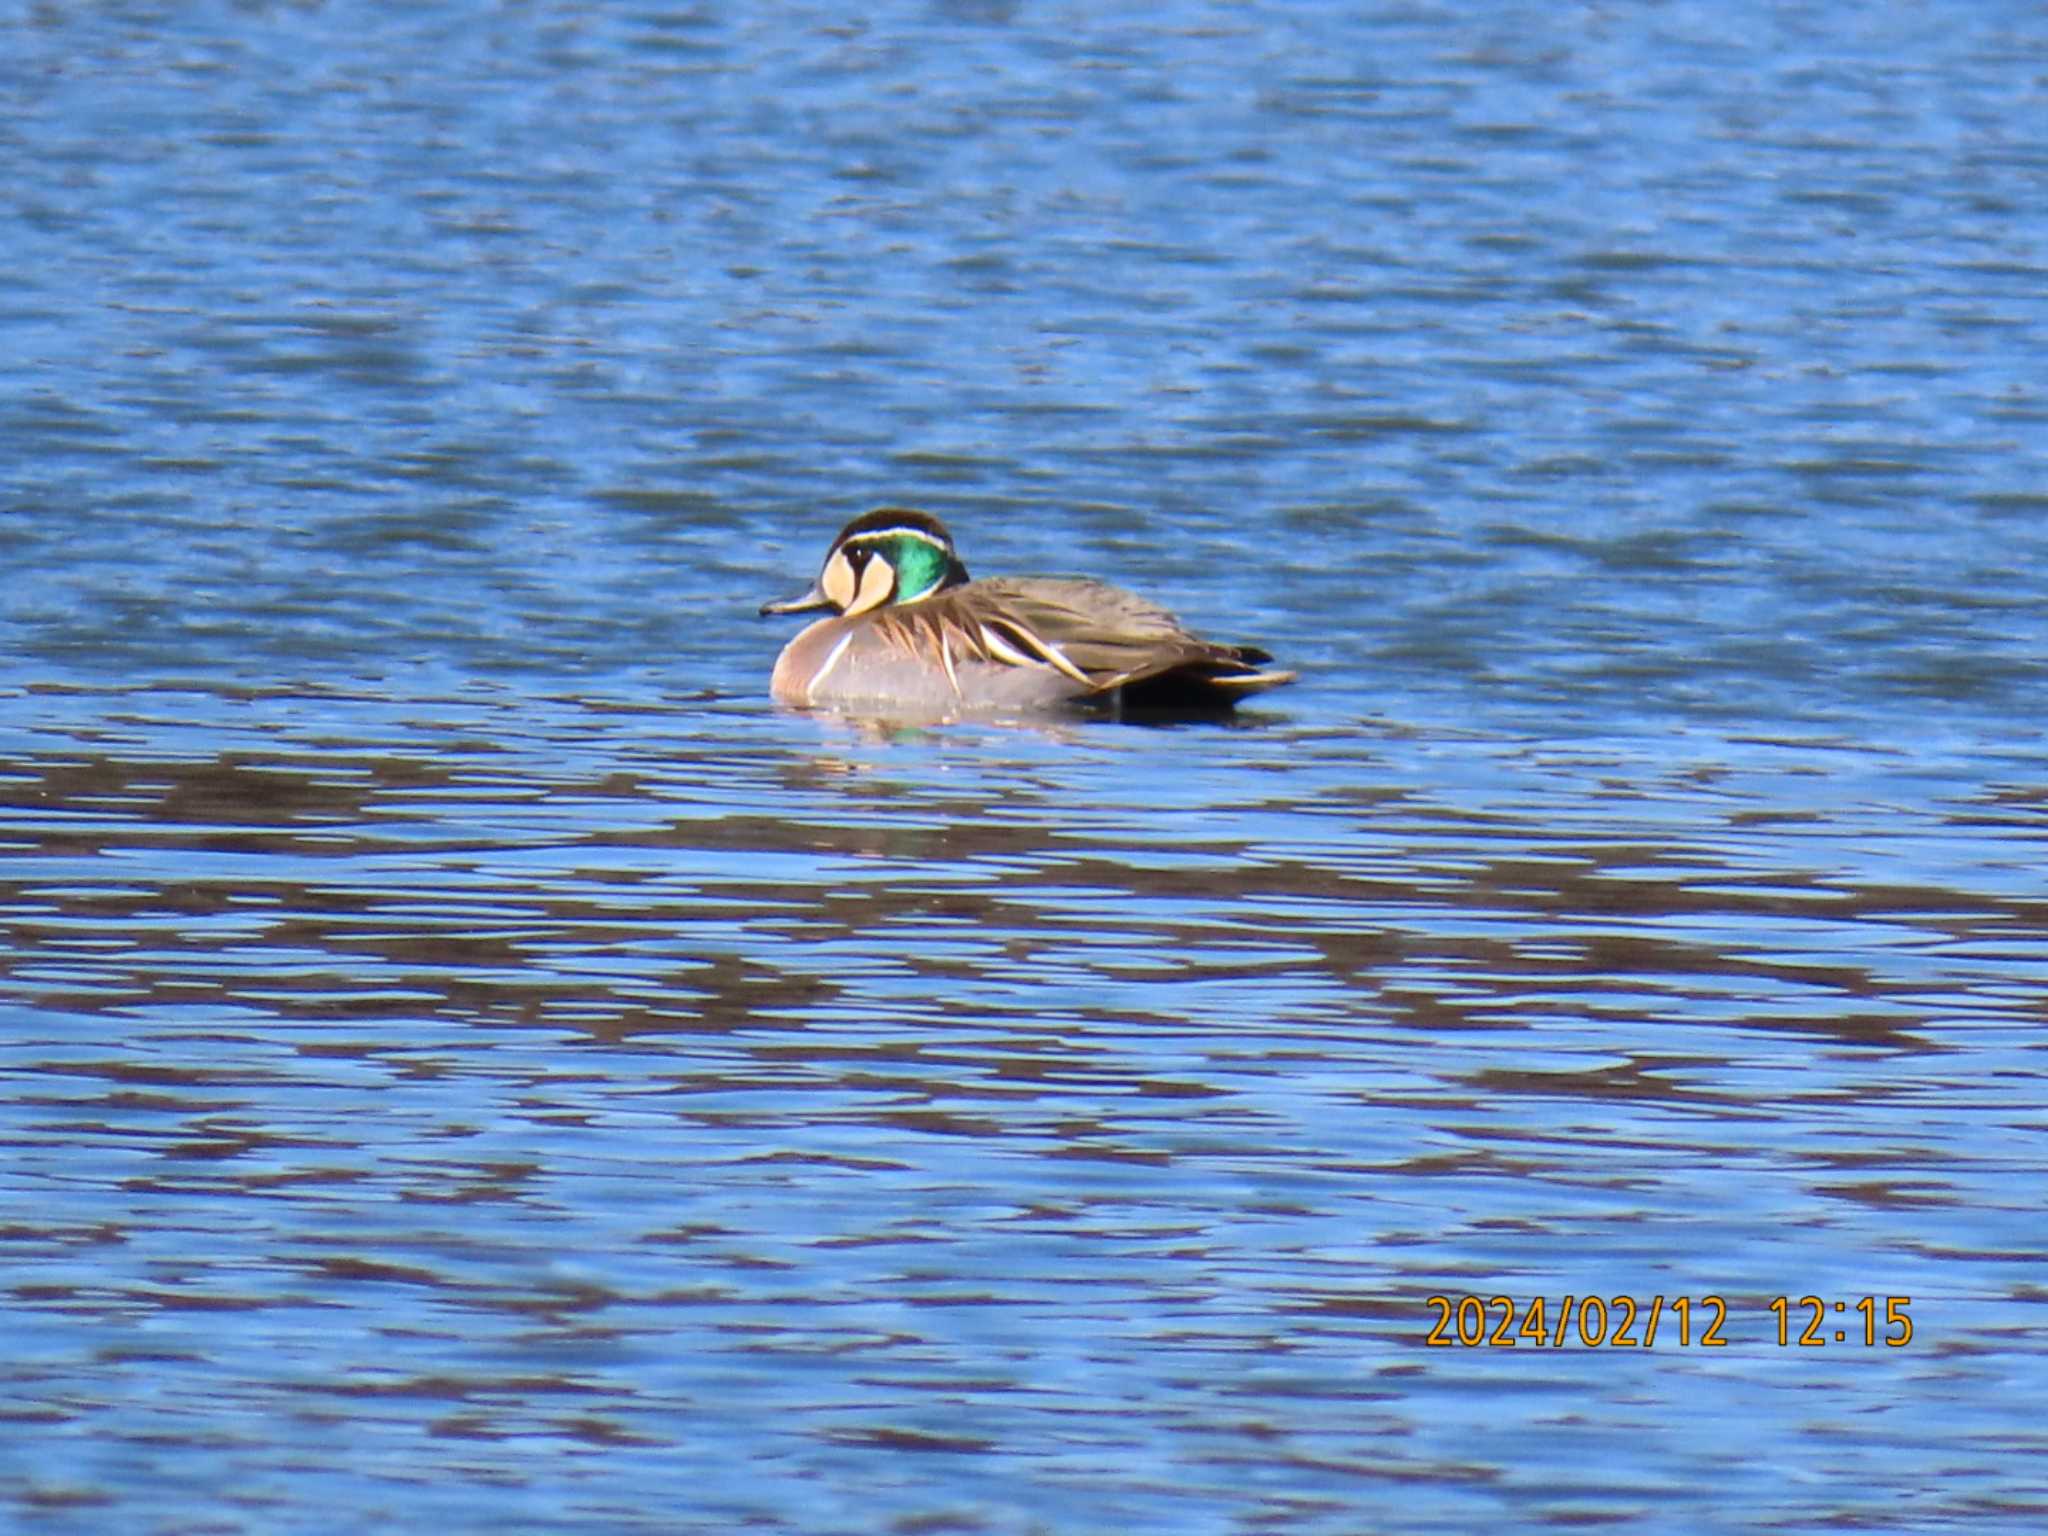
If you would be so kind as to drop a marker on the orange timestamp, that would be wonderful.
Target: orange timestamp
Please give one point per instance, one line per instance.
(1898, 1327)
(1628, 1322)
(1615, 1322)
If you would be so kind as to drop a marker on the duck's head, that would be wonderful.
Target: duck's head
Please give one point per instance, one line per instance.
(891, 555)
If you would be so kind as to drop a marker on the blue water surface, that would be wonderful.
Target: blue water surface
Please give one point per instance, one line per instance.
(471, 1063)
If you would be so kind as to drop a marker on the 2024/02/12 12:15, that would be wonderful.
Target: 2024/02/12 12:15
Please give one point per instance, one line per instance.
(1625, 1321)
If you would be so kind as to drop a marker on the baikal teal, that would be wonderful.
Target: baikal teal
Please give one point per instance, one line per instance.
(912, 634)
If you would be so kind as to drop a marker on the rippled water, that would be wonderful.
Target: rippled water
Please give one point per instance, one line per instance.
(470, 1062)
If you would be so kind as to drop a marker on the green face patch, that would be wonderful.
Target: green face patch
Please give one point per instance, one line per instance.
(920, 566)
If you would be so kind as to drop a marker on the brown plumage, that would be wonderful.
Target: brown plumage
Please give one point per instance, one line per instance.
(914, 635)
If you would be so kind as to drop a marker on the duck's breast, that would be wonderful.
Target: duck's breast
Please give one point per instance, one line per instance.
(844, 664)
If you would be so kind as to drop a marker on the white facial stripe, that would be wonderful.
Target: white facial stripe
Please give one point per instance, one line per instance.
(904, 532)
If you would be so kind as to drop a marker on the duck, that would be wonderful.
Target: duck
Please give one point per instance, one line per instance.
(910, 634)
